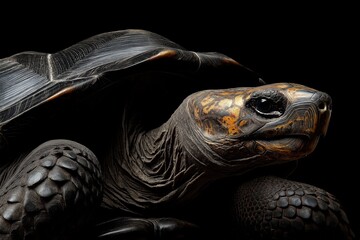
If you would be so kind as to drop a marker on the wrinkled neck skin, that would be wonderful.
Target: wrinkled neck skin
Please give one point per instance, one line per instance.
(167, 165)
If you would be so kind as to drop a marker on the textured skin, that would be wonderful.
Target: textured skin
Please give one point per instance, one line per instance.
(57, 181)
(275, 208)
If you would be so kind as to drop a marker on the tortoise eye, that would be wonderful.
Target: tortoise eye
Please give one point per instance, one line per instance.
(267, 107)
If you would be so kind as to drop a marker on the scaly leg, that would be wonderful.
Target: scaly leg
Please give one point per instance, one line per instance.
(49, 191)
(275, 208)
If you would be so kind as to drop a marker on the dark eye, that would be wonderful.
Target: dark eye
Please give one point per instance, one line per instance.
(267, 107)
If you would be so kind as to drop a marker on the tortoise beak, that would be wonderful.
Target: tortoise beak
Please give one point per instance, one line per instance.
(324, 104)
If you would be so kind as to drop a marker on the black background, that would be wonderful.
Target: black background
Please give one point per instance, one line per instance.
(306, 44)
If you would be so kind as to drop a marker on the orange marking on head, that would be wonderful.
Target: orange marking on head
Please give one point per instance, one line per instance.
(239, 101)
(230, 123)
(243, 123)
(226, 93)
(207, 109)
(225, 103)
(234, 111)
(196, 112)
(61, 93)
(207, 100)
(282, 85)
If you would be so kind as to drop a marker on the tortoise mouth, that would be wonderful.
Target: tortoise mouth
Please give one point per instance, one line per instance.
(299, 144)
(278, 137)
(284, 140)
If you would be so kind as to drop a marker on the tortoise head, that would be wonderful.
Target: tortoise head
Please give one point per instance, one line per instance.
(274, 122)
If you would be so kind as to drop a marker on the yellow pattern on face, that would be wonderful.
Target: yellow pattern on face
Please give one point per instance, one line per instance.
(207, 109)
(207, 100)
(231, 121)
(234, 111)
(219, 112)
(243, 123)
(239, 101)
(196, 113)
(225, 103)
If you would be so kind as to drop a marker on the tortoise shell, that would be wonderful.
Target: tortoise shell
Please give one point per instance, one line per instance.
(32, 79)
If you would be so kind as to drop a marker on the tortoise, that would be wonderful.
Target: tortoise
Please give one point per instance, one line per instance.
(118, 135)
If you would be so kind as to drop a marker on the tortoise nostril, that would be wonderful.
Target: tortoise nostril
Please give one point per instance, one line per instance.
(322, 106)
(322, 101)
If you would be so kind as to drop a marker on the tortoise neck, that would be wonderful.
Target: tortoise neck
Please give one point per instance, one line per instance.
(151, 168)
